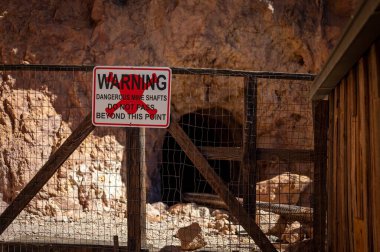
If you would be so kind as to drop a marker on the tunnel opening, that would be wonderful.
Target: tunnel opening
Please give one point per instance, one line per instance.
(212, 128)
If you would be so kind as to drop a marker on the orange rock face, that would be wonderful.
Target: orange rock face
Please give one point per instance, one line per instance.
(292, 36)
(288, 36)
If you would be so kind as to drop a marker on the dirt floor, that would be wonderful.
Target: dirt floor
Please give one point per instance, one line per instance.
(99, 229)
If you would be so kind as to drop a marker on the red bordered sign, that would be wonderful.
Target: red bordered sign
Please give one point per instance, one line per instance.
(131, 96)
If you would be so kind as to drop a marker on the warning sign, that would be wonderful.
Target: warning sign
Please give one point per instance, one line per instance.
(131, 96)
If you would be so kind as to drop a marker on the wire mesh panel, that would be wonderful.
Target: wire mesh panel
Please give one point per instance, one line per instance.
(189, 213)
(210, 110)
(285, 168)
(85, 201)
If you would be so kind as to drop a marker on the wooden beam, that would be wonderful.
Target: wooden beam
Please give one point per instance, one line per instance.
(240, 73)
(46, 172)
(40, 243)
(289, 212)
(207, 199)
(359, 34)
(291, 155)
(175, 70)
(143, 189)
(321, 124)
(136, 232)
(236, 154)
(249, 162)
(219, 187)
(116, 247)
(222, 153)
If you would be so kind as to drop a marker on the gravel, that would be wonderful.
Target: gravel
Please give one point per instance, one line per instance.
(99, 229)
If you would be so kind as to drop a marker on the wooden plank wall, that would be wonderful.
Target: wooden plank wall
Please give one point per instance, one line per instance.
(353, 173)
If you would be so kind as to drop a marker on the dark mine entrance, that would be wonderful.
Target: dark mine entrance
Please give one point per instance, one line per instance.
(205, 128)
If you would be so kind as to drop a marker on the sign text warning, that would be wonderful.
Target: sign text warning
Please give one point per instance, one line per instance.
(131, 96)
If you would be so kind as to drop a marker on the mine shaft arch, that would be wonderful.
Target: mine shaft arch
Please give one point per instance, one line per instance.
(213, 127)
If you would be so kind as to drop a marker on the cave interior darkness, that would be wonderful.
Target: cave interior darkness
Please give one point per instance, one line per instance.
(178, 174)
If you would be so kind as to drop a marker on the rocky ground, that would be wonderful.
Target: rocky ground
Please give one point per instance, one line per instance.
(217, 229)
(85, 200)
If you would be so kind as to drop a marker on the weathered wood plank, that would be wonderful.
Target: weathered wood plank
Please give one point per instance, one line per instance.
(354, 163)
(354, 156)
(208, 199)
(361, 220)
(46, 172)
(134, 186)
(330, 168)
(338, 167)
(334, 219)
(222, 153)
(321, 121)
(249, 162)
(217, 184)
(286, 155)
(374, 91)
(350, 111)
(49, 243)
(289, 212)
(236, 153)
(354, 159)
(341, 168)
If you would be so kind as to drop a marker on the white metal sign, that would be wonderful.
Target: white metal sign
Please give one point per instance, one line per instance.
(131, 96)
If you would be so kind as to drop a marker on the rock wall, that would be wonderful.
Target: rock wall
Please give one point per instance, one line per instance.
(31, 130)
(289, 36)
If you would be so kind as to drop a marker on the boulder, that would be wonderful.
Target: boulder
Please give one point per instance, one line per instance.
(293, 233)
(161, 207)
(152, 214)
(282, 189)
(270, 223)
(286, 188)
(191, 237)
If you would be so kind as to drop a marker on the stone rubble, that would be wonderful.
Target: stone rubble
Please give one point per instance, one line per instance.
(191, 237)
(90, 181)
(164, 228)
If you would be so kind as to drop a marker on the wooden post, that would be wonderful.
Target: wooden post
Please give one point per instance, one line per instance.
(321, 122)
(116, 243)
(143, 189)
(46, 172)
(249, 145)
(374, 91)
(217, 184)
(135, 215)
